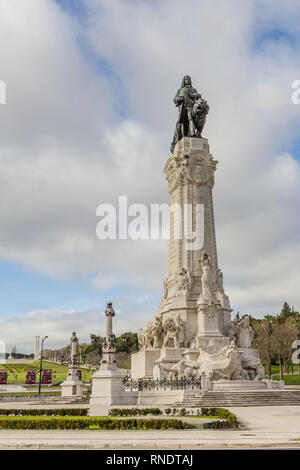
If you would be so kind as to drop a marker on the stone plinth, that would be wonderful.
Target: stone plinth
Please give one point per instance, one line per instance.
(72, 386)
(142, 363)
(106, 389)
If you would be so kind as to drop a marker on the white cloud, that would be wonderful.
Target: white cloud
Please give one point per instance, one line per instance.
(58, 325)
(65, 146)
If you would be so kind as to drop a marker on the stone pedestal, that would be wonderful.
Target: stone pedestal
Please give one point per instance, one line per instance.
(142, 363)
(208, 319)
(72, 386)
(106, 390)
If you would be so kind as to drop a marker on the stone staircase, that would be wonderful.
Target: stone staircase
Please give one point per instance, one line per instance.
(242, 398)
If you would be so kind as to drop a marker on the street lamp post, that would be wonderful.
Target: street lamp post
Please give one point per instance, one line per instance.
(41, 364)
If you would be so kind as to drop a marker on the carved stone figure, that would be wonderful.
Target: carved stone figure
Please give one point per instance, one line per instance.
(177, 371)
(141, 338)
(226, 364)
(219, 281)
(192, 112)
(184, 280)
(207, 278)
(180, 331)
(170, 333)
(157, 331)
(254, 368)
(232, 331)
(183, 368)
(151, 336)
(245, 333)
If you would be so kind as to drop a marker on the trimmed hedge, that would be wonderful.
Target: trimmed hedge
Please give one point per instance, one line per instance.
(81, 422)
(47, 412)
(134, 411)
(229, 420)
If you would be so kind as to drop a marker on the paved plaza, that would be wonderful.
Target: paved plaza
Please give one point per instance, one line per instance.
(262, 427)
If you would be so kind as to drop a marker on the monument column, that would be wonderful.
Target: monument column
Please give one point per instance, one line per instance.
(72, 386)
(108, 380)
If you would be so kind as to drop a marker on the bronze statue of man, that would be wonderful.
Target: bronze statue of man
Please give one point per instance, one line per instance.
(190, 104)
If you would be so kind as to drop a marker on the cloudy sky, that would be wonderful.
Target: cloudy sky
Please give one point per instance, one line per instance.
(89, 116)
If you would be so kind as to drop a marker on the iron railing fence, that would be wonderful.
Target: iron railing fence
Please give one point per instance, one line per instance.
(182, 383)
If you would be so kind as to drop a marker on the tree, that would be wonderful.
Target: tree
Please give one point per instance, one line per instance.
(268, 329)
(286, 311)
(283, 336)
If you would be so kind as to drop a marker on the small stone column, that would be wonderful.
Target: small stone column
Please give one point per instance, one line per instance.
(107, 381)
(37, 348)
(72, 386)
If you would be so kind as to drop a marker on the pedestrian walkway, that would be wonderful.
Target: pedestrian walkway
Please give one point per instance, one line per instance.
(262, 427)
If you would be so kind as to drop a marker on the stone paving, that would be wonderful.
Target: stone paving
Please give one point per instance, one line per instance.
(262, 427)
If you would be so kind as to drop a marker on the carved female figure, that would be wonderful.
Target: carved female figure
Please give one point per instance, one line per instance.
(180, 331)
(245, 333)
(207, 278)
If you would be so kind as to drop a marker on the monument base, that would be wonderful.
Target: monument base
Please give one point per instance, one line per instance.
(142, 363)
(107, 390)
(72, 386)
(72, 389)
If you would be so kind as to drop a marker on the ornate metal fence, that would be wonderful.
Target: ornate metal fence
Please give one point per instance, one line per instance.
(164, 384)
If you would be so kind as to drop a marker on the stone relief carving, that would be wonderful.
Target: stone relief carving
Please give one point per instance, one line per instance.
(200, 171)
(177, 172)
(180, 331)
(224, 365)
(194, 169)
(231, 331)
(183, 368)
(170, 333)
(156, 335)
(184, 279)
(242, 332)
(151, 336)
(245, 333)
(218, 279)
(227, 364)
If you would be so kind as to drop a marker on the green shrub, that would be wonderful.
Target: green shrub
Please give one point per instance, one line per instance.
(229, 420)
(134, 411)
(209, 411)
(46, 412)
(82, 422)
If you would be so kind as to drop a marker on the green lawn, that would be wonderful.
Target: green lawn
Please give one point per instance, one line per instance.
(291, 379)
(59, 371)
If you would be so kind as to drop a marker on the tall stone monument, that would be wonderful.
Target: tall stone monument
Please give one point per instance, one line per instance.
(192, 333)
(72, 386)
